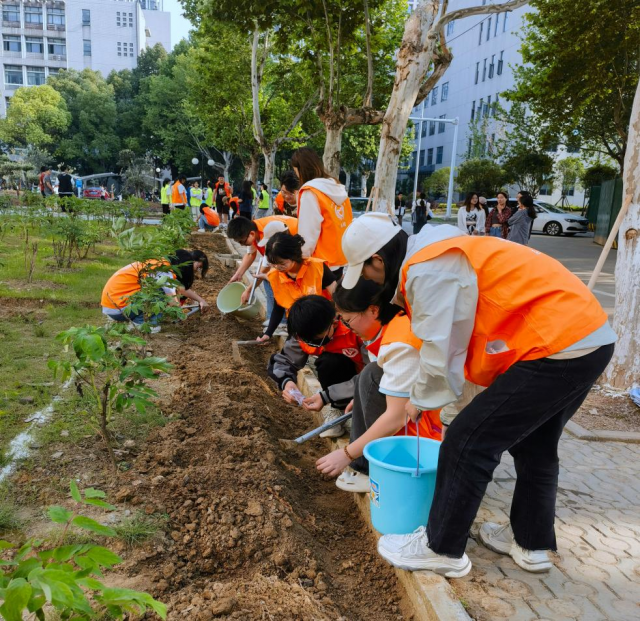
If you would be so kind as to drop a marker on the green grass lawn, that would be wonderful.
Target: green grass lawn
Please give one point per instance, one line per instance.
(31, 315)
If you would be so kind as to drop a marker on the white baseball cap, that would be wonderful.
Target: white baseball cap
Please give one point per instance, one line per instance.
(270, 230)
(362, 239)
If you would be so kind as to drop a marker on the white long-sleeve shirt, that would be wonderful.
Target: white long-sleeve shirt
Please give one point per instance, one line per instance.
(476, 214)
(310, 216)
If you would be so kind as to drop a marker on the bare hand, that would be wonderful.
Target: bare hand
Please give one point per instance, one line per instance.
(412, 411)
(244, 298)
(334, 463)
(313, 403)
(349, 407)
(286, 395)
(263, 339)
(204, 307)
(236, 278)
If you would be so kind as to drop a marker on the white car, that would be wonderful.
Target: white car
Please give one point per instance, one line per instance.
(551, 219)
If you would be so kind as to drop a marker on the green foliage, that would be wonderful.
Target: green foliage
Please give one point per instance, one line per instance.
(9, 519)
(66, 238)
(579, 76)
(569, 171)
(437, 184)
(482, 176)
(530, 171)
(112, 370)
(37, 117)
(596, 174)
(61, 577)
(137, 529)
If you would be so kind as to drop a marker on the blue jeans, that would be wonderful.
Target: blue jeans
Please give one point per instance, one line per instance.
(495, 231)
(203, 224)
(271, 302)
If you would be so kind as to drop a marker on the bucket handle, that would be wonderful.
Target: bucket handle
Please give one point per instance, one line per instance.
(406, 433)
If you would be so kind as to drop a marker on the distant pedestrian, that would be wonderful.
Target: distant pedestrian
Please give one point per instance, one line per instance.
(498, 220)
(483, 204)
(79, 186)
(263, 203)
(471, 217)
(421, 213)
(222, 190)
(46, 182)
(65, 188)
(400, 207)
(43, 170)
(165, 196)
(521, 223)
(245, 200)
(179, 193)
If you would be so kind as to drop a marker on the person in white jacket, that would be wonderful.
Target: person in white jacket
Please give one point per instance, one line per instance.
(471, 216)
(321, 228)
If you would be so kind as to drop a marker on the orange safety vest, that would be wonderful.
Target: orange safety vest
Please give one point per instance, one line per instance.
(211, 216)
(234, 204)
(335, 220)
(227, 188)
(344, 341)
(398, 330)
(529, 305)
(292, 225)
(124, 283)
(308, 281)
(279, 202)
(176, 197)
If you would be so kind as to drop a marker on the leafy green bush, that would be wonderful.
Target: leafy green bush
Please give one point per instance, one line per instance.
(63, 576)
(66, 235)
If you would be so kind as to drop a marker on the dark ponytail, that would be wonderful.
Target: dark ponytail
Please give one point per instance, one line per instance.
(283, 247)
(365, 294)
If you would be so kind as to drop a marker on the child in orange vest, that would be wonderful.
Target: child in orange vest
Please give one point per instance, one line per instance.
(209, 220)
(383, 388)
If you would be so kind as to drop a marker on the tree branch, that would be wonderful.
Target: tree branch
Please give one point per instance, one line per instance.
(331, 58)
(488, 9)
(256, 78)
(368, 95)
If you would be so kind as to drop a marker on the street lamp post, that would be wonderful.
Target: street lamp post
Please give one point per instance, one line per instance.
(455, 123)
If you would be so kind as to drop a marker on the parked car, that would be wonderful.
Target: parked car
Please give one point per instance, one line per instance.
(551, 220)
(358, 205)
(93, 192)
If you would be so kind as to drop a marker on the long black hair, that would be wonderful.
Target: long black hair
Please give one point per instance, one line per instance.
(527, 202)
(183, 261)
(284, 246)
(392, 255)
(366, 293)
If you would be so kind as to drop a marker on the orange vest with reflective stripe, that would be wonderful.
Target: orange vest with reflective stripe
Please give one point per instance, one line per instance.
(211, 216)
(335, 220)
(227, 188)
(292, 225)
(234, 204)
(529, 305)
(124, 283)
(176, 197)
(344, 341)
(398, 330)
(308, 282)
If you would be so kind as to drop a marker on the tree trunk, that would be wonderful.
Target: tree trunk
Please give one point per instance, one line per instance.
(228, 160)
(332, 148)
(624, 370)
(347, 181)
(269, 167)
(363, 183)
(254, 166)
(413, 59)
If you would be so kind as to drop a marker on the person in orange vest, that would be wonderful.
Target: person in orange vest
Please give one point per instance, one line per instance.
(285, 202)
(179, 193)
(292, 276)
(324, 209)
(315, 330)
(209, 220)
(180, 269)
(382, 389)
(506, 317)
(222, 190)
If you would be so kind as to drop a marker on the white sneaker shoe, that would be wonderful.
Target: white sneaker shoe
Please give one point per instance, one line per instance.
(352, 481)
(328, 414)
(500, 539)
(200, 231)
(412, 553)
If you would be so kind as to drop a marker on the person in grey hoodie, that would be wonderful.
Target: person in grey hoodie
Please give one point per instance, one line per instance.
(521, 222)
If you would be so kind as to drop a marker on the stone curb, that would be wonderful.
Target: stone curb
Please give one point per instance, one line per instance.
(602, 435)
(432, 596)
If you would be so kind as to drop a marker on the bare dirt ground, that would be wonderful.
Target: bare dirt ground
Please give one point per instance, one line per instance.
(253, 532)
(602, 410)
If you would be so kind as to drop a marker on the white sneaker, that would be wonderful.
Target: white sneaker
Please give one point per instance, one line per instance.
(412, 552)
(352, 481)
(500, 539)
(200, 231)
(328, 414)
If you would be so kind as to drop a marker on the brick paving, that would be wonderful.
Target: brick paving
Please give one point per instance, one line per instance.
(596, 576)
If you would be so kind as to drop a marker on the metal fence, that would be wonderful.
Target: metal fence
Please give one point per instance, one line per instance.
(604, 204)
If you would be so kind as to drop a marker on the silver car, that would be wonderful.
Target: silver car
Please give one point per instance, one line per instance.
(551, 219)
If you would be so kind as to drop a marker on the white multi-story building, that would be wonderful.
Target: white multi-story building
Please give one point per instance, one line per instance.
(485, 48)
(40, 38)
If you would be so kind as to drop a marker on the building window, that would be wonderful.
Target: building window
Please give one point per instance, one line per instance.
(34, 45)
(11, 13)
(118, 18)
(571, 191)
(495, 32)
(439, 153)
(57, 47)
(422, 157)
(131, 20)
(35, 76)
(441, 126)
(450, 27)
(487, 109)
(480, 36)
(429, 157)
(477, 71)
(53, 71)
(432, 128)
(469, 145)
(489, 29)
(13, 75)
(500, 63)
(479, 111)
(473, 109)
(423, 131)
(32, 15)
(445, 92)
(55, 17)
(492, 65)
(131, 50)
(119, 49)
(86, 47)
(434, 96)
(12, 43)
(86, 17)
(484, 70)
(546, 190)
(504, 22)
(7, 101)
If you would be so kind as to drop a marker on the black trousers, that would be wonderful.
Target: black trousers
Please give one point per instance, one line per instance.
(524, 412)
(333, 369)
(165, 209)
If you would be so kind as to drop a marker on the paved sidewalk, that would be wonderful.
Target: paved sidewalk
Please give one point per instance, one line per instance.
(597, 568)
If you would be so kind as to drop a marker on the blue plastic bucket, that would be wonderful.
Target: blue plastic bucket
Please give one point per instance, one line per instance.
(401, 488)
